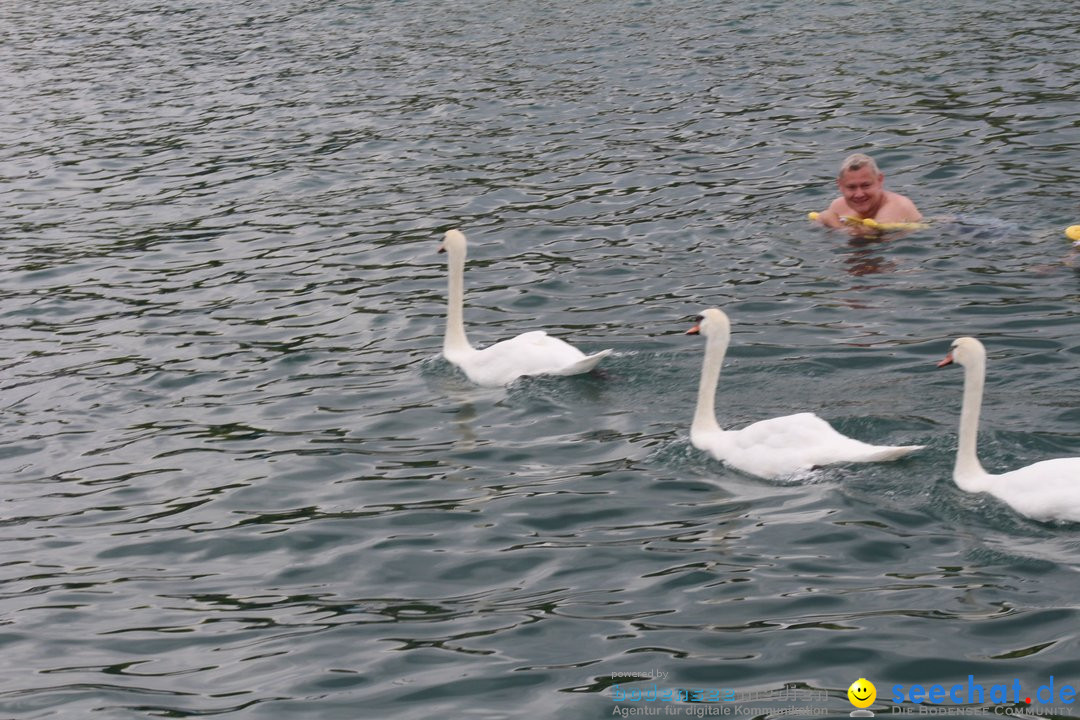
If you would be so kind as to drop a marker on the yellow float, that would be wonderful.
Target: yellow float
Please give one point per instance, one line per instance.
(1073, 233)
(873, 224)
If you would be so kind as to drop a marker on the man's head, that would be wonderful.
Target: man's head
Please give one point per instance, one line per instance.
(861, 184)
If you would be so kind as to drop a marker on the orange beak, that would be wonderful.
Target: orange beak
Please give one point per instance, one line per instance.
(696, 330)
(947, 360)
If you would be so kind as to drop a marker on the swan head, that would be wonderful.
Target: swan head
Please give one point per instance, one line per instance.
(712, 323)
(964, 351)
(453, 242)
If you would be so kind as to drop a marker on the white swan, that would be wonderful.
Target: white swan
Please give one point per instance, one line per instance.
(771, 448)
(1047, 490)
(531, 353)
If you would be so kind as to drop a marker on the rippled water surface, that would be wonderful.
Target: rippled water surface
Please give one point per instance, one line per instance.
(239, 480)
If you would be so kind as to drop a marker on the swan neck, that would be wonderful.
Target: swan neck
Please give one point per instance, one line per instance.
(454, 339)
(705, 413)
(968, 472)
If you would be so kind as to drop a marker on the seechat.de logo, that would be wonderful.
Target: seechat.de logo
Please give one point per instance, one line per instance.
(862, 694)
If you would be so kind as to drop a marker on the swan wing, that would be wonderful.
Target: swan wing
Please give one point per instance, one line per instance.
(530, 353)
(1048, 490)
(796, 443)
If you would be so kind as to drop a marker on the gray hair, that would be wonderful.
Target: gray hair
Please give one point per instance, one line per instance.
(857, 162)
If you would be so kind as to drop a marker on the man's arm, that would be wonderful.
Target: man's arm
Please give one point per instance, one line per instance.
(831, 217)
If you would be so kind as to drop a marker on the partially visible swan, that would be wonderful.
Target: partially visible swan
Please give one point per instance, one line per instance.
(531, 353)
(771, 448)
(1047, 490)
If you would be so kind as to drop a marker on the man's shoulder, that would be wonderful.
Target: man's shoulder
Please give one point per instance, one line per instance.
(898, 207)
(895, 198)
(840, 206)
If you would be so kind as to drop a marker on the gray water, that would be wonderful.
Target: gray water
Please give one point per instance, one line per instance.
(240, 481)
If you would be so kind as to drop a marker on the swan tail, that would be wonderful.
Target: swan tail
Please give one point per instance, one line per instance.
(583, 365)
(891, 452)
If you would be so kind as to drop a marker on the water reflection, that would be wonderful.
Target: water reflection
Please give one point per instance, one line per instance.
(863, 259)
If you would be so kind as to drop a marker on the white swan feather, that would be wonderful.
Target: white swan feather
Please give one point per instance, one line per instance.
(1047, 490)
(773, 448)
(531, 353)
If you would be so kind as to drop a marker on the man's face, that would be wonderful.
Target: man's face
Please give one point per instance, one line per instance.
(863, 190)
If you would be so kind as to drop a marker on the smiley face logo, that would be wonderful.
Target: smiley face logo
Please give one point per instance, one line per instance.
(862, 693)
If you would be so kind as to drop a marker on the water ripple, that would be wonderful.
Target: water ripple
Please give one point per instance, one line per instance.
(240, 481)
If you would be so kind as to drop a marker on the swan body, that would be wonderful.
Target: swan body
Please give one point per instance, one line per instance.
(773, 448)
(531, 353)
(1048, 490)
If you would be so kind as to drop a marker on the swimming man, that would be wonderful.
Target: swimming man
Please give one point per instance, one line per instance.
(863, 195)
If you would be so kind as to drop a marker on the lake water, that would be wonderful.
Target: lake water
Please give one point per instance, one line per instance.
(239, 480)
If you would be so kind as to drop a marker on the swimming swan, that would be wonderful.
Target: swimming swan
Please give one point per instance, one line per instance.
(1047, 490)
(531, 353)
(771, 448)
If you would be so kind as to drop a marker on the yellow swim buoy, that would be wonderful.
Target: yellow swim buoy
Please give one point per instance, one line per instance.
(873, 224)
(1073, 233)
